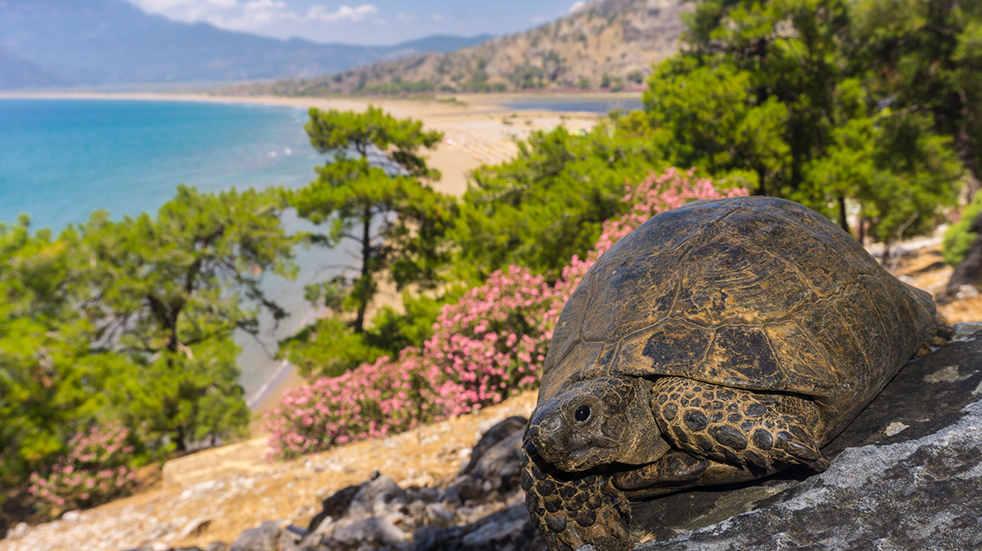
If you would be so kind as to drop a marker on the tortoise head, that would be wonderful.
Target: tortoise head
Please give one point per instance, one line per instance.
(595, 422)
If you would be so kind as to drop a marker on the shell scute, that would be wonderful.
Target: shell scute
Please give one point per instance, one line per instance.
(755, 293)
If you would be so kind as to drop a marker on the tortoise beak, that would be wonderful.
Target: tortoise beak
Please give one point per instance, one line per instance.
(548, 434)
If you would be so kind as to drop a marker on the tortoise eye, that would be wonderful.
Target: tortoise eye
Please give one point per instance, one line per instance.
(582, 414)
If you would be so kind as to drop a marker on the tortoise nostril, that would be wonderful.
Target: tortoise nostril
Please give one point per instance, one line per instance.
(551, 423)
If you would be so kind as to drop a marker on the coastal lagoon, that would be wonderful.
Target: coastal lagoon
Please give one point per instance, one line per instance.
(61, 159)
(575, 104)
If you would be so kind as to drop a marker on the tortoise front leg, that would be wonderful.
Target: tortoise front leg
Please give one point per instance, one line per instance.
(762, 433)
(574, 509)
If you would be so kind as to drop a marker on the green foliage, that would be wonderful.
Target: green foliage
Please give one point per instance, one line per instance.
(397, 222)
(709, 118)
(549, 203)
(328, 348)
(167, 293)
(780, 96)
(926, 55)
(48, 382)
(958, 238)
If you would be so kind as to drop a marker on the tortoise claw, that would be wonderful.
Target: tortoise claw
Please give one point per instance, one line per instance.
(805, 454)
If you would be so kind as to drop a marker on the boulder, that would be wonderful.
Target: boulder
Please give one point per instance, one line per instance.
(506, 530)
(379, 514)
(906, 474)
(264, 537)
(494, 469)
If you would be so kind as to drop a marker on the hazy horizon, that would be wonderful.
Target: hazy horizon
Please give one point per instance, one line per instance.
(371, 23)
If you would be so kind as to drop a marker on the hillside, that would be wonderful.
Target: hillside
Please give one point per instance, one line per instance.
(112, 42)
(602, 44)
(16, 72)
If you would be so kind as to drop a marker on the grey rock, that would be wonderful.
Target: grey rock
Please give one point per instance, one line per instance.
(265, 537)
(216, 546)
(494, 469)
(906, 474)
(290, 538)
(495, 434)
(506, 530)
(369, 533)
(451, 496)
(375, 497)
(437, 513)
(336, 506)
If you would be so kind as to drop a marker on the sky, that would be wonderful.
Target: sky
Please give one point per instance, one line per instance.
(373, 22)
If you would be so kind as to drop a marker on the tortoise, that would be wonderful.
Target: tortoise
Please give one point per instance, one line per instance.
(717, 343)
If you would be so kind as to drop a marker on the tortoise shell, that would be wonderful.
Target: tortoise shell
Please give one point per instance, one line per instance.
(755, 293)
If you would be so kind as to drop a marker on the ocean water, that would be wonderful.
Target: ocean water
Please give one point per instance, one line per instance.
(62, 159)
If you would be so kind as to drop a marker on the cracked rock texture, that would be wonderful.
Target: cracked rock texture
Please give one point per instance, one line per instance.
(906, 475)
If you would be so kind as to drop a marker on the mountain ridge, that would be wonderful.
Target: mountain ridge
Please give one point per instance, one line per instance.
(606, 44)
(113, 42)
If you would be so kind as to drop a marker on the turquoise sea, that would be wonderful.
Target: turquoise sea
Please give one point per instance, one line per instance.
(62, 159)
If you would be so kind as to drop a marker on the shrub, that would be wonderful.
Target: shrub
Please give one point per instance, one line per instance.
(485, 347)
(94, 471)
(957, 238)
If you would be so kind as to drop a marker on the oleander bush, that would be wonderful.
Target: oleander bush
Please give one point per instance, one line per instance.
(485, 347)
(94, 471)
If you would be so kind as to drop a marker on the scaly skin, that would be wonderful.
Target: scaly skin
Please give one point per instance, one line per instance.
(573, 509)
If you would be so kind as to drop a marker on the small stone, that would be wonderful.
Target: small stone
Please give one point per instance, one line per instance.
(194, 527)
(18, 531)
(71, 516)
(437, 513)
(895, 428)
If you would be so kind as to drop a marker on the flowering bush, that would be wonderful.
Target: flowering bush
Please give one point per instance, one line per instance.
(487, 346)
(94, 471)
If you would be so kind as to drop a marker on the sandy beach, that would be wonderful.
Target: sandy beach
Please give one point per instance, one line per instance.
(478, 129)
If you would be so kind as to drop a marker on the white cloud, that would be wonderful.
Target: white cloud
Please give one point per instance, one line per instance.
(577, 6)
(252, 15)
(344, 12)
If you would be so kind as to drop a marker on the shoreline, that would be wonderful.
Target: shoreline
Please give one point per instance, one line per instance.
(478, 129)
